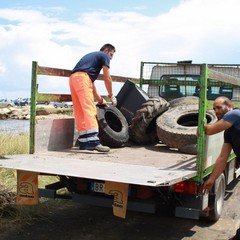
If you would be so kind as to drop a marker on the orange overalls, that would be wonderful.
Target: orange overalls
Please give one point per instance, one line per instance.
(84, 108)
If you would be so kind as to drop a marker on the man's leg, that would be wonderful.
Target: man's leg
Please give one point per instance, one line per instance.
(85, 112)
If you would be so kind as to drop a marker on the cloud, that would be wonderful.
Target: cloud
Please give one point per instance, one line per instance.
(2, 68)
(201, 30)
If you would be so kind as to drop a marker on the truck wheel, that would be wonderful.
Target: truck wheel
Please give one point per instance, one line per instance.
(189, 100)
(113, 126)
(216, 202)
(143, 127)
(177, 127)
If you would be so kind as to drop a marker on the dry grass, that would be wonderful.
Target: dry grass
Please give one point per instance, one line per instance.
(11, 145)
(14, 216)
(10, 213)
(14, 144)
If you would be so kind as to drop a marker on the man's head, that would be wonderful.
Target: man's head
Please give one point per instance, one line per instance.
(109, 49)
(222, 105)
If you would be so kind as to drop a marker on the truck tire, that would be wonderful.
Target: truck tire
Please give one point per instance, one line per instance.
(177, 127)
(217, 200)
(143, 127)
(113, 126)
(189, 100)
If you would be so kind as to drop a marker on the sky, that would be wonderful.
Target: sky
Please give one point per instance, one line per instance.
(57, 33)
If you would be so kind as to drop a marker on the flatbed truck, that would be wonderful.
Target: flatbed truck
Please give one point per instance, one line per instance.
(134, 177)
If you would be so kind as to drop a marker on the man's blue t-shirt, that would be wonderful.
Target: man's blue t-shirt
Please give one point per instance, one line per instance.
(92, 64)
(232, 134)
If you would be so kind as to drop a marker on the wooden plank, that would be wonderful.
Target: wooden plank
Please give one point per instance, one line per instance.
(218, 76)
(53, 97)
(53, 71)
(116, 78)
(99, 170)
(66, 73)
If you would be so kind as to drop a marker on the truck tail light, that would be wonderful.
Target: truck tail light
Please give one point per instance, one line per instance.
(186, 187)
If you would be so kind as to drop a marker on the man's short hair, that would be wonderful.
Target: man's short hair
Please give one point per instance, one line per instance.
(108, 46)
(226, 101)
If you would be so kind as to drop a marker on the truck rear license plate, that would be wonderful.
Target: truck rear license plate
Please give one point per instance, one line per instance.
(98, 187)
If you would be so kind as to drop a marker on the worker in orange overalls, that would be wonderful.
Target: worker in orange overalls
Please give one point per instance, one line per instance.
(83, 92)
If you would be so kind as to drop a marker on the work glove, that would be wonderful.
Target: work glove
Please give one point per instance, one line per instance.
(114, 101)
(102, 102)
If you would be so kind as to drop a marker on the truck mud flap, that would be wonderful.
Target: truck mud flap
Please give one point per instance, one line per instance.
(192, 207)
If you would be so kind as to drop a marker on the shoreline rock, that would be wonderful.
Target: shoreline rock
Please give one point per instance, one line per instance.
(23, 113)
(15, 113)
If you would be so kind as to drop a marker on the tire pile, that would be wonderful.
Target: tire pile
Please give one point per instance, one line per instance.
(172, 123)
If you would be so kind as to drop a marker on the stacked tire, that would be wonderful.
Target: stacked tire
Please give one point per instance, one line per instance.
(143, 127)
(113, 127)
(177, 127)
(173, 123)
(184, 101)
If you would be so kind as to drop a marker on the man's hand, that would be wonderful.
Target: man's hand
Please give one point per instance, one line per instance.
(102, 102)
(114, 101)
(207, 186)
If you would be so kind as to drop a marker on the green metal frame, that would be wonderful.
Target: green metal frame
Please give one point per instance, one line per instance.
(141, 80)
(206, 74)
(201, 143)
(36, 96)
(33, 107)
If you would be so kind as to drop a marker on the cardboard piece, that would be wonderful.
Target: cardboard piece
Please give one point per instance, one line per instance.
(120, 194)
(27, 188)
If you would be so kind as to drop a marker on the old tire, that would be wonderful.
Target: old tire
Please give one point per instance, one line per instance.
(177, 127)
(143, 127)
(217, 200)
(189, 100)
(113, 127)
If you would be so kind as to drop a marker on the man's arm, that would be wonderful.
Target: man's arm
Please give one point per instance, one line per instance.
(107, 80)
(217, 127)
(218, 167)
(96, 95)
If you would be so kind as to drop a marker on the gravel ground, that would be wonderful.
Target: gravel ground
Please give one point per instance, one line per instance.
(69, 221)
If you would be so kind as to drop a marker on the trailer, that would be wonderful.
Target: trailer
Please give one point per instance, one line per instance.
(134, 177)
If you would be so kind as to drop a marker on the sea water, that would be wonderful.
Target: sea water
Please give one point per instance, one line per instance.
(14, 126)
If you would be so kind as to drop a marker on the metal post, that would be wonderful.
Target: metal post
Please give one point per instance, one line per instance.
(141, 74)
(201, 122)
(33, 107)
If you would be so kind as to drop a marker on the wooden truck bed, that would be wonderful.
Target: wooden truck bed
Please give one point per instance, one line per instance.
(149, 165)
(141, 165)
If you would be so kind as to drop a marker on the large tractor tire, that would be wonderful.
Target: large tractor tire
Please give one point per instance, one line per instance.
(177, 127)
(143, 127)
(184, 101)
(113, 127)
